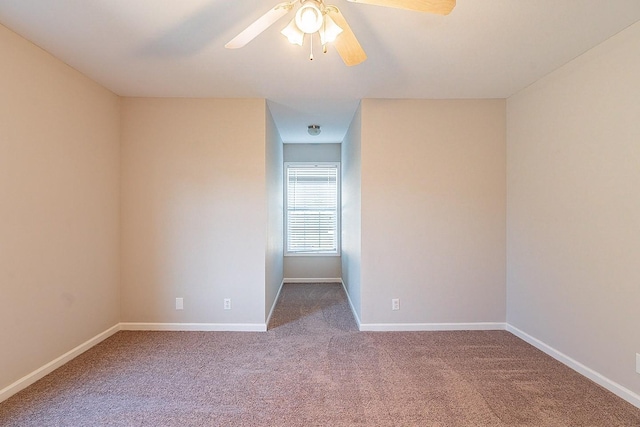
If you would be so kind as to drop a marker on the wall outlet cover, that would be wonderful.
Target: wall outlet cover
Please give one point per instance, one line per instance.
(638, 363)
(179, 303)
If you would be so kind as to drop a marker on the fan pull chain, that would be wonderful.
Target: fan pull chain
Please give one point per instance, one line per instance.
(311, 47)
(324, 24)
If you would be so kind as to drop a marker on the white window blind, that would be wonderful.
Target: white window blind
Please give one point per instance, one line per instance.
(312, 219)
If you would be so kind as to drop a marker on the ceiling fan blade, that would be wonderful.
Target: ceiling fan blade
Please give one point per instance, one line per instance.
(440, 7)
(261, 24)
(346, 43)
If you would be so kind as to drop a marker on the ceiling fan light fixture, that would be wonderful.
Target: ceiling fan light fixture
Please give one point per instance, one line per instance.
(293, 33)
(329, 31)
(309, 17)
(315, 16)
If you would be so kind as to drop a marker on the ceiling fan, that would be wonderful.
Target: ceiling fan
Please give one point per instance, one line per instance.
(314, 16)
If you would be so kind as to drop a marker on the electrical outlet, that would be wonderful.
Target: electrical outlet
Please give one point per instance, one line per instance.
(638, 363)
(395, 304)
(227, 303)
(179, 303)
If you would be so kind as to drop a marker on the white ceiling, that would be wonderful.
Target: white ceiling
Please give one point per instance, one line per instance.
(171, 48)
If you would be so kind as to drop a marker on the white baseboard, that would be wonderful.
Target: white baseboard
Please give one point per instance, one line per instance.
(407, 327)
(41, 372)
(273, 306)
(353, 309)
(594, 376)
(307, 280)
(205, 327)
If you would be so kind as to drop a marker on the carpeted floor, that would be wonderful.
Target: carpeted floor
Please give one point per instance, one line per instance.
(313, 368)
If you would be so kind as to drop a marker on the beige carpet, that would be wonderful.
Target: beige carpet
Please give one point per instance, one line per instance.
(313, 368)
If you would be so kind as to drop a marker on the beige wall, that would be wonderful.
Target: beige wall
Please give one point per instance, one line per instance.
(324, 152)
(312, 267)
(275, 206)
(351, 212)
(574, 209)
(194, 210)
(433, 211)
(59, 185)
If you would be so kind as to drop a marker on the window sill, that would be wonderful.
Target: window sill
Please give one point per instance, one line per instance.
(312, 254)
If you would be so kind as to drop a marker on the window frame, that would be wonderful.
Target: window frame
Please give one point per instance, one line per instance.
(338, 231)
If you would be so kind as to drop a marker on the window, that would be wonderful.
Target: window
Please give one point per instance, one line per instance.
(312, 197)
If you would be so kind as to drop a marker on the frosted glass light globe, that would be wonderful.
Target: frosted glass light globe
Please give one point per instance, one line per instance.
(309, 17)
